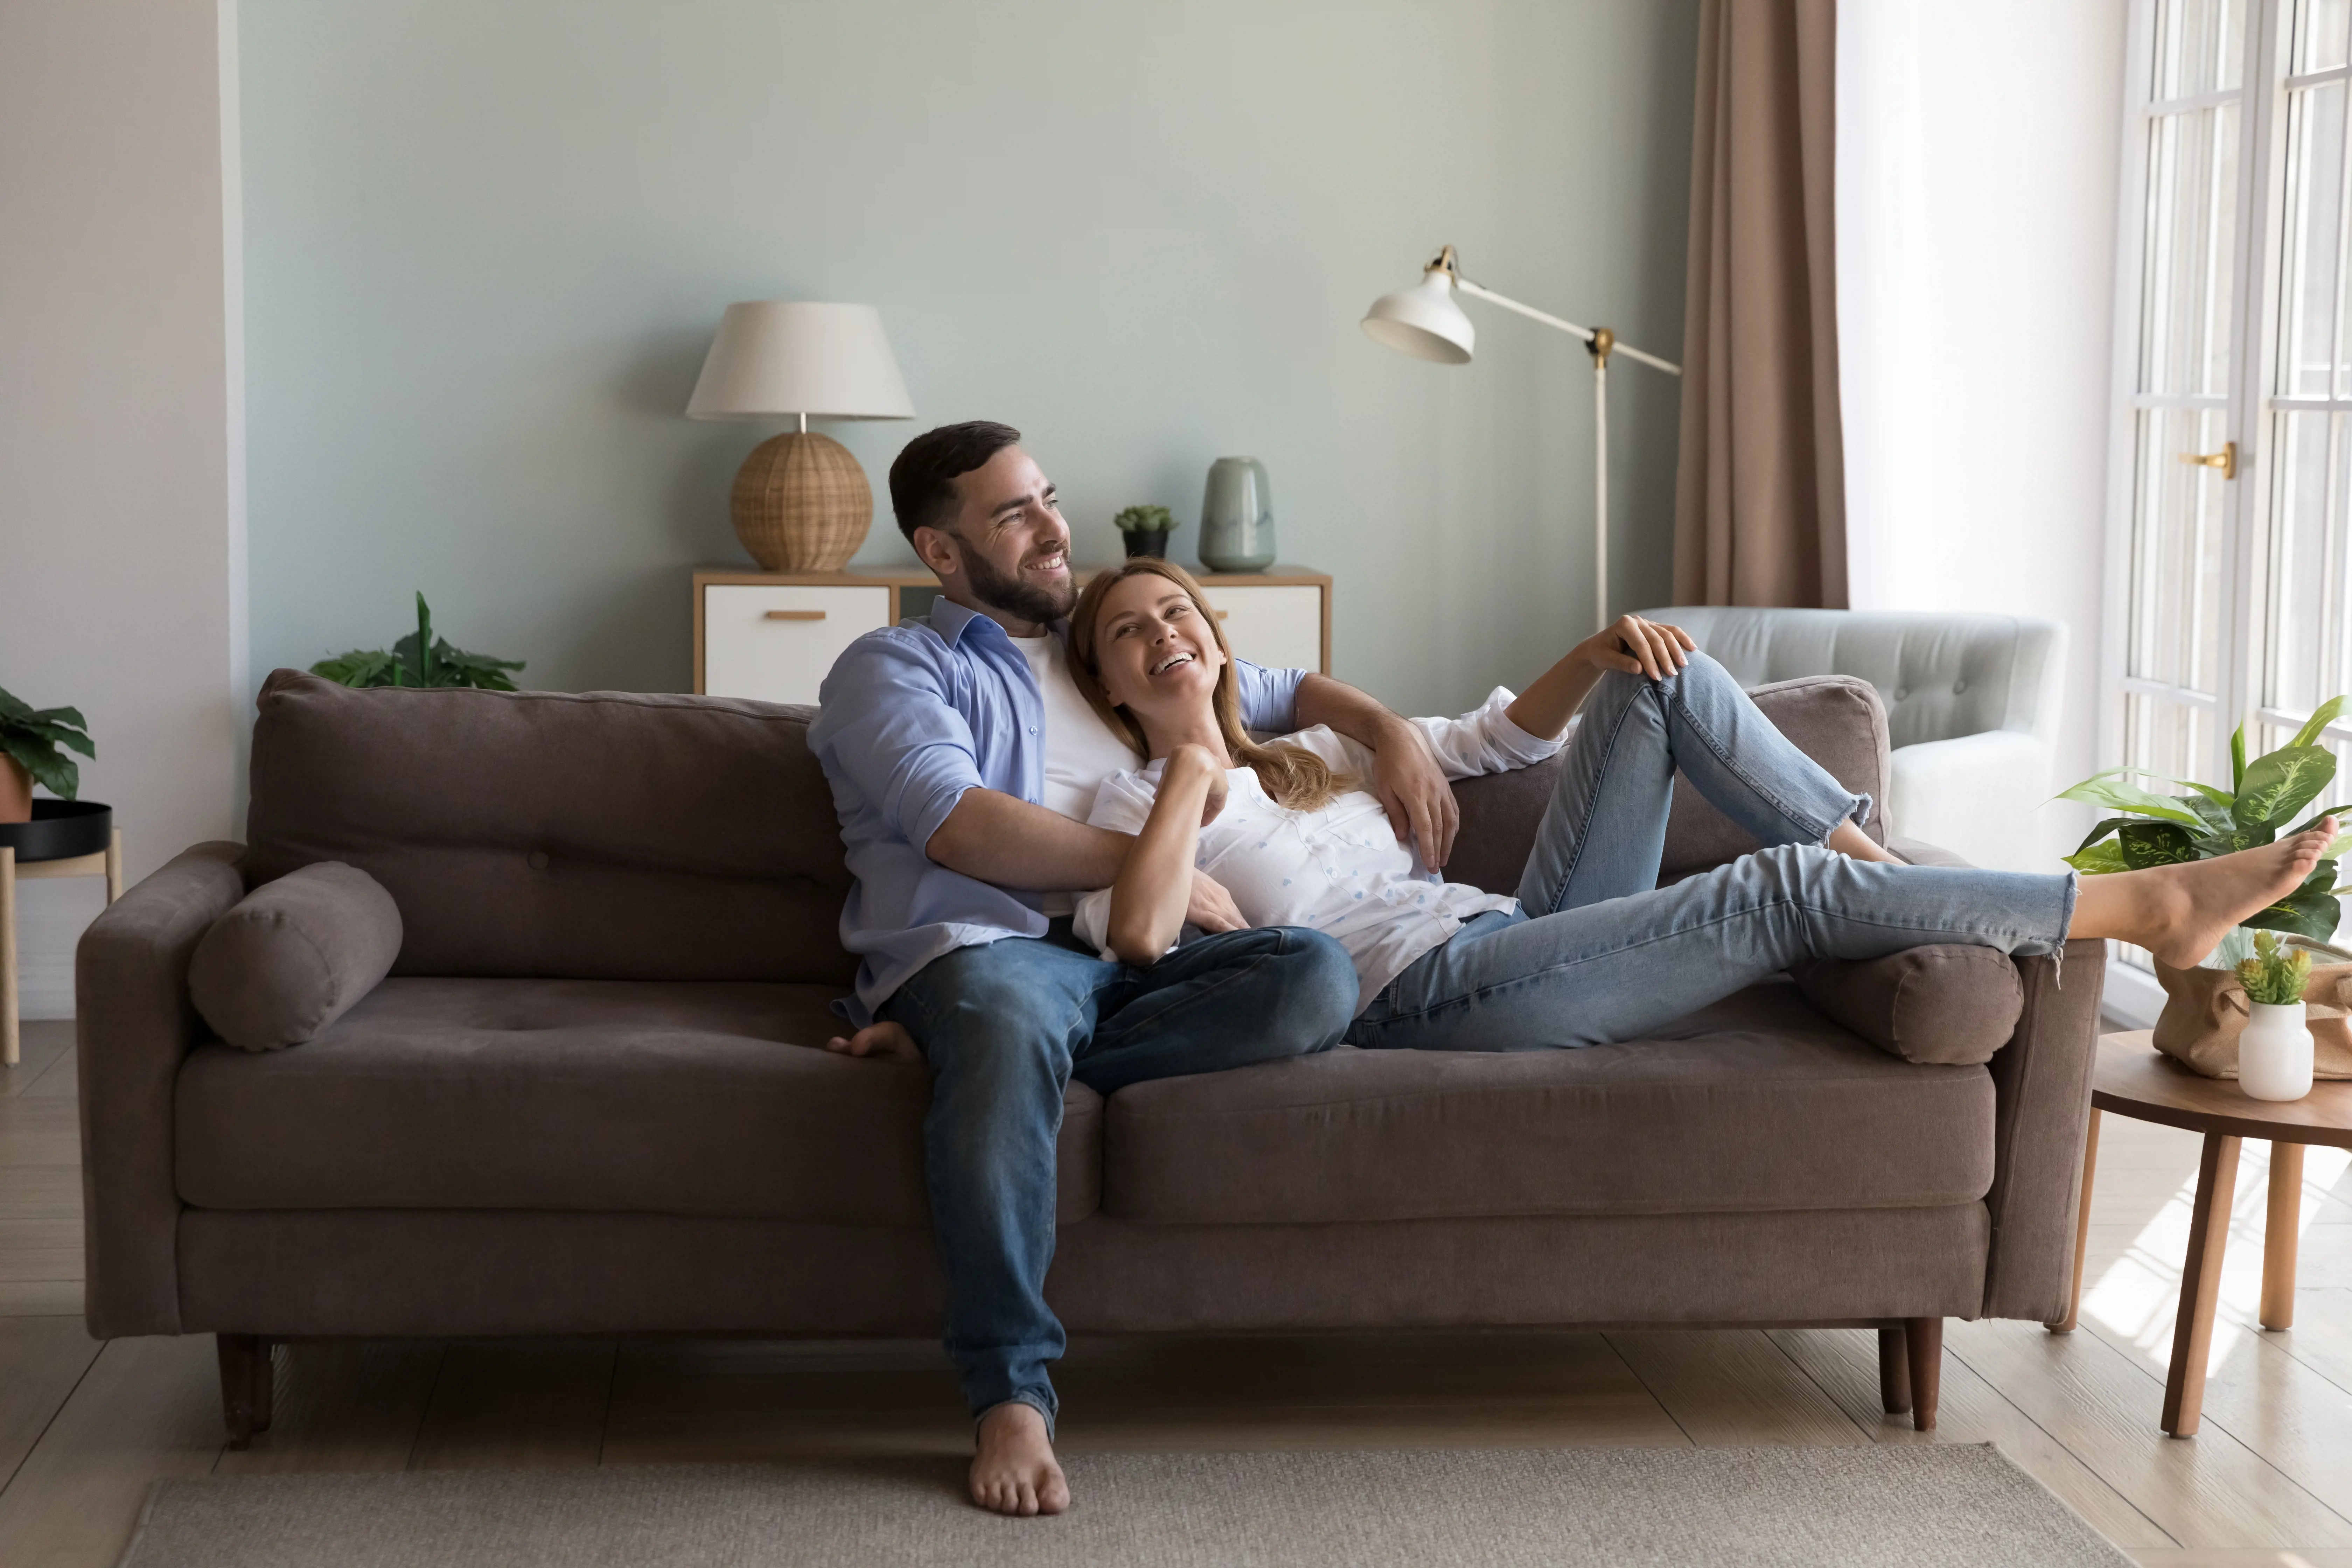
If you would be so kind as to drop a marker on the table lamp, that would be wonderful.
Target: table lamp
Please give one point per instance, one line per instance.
(1424, 323)
(800, 502)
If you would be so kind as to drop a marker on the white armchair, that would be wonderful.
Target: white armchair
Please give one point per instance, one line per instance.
(1972, 705)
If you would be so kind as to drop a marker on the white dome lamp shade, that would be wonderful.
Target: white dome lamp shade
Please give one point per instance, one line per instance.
(800, 502)
(1423, 321)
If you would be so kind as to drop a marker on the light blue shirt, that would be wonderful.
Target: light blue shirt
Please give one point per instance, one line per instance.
(913, 716)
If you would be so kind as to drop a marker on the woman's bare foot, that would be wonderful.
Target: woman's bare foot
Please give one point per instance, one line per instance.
(1014, 1471)
(877, 1040)
(2180, 913)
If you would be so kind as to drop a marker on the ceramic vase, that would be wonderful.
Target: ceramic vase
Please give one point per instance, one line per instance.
(1238, 517)
(2275, 1052)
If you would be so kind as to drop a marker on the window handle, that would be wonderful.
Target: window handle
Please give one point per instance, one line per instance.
(2226, 460)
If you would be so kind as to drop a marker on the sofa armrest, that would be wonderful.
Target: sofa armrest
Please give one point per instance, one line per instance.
(1975, 794)
(134, 1023)
(2042, 1090)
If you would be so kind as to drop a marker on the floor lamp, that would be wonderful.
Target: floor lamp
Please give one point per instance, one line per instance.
(1423, 321)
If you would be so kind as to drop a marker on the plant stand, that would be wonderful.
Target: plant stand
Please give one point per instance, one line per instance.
(106, 862)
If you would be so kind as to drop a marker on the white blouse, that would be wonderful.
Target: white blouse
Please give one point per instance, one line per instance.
(1341, 871)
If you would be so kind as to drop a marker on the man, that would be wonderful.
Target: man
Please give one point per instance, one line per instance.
(963, 764)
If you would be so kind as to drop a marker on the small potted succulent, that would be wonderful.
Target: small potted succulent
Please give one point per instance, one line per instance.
(29, 742)
(1146, 529)
(2274, 1051)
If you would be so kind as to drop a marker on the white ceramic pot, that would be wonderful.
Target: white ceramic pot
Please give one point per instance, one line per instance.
(2275, 1053)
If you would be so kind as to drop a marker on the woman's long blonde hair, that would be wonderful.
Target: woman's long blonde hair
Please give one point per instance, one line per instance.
(1296, 778)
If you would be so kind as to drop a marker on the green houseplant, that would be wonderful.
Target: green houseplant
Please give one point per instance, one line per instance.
(30, 742)
(2275, 976)
(1144, 529)
(2264, 796)
(419, 660)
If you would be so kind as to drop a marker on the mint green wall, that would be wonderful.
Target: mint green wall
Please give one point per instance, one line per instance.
(486, 242)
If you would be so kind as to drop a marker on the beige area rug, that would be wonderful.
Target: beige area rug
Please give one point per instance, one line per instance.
(1920, 1507)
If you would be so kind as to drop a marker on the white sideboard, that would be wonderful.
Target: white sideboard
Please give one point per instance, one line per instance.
(773, 635)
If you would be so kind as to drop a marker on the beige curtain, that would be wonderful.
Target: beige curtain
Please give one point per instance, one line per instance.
(1759, 494)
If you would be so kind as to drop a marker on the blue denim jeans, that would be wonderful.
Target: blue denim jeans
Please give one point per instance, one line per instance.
(1005, 1027)
(1597, 952)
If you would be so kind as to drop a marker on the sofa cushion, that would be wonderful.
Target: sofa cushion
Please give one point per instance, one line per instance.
(294, 955)
(593, 836)
(1836, 720)
(661, 1097)
(1953, 1002)
(1755, 1103)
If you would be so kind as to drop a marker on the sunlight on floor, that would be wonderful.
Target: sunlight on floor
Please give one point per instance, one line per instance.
(2139, 1293)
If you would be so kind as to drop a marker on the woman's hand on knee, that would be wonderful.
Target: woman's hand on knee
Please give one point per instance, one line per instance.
(1637, 647)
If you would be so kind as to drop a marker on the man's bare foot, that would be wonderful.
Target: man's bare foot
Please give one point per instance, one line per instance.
(877, 1040)
(2180, 913)
(1014, 1470)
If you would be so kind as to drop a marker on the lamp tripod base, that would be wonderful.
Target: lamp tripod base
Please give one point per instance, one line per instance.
(801, 503)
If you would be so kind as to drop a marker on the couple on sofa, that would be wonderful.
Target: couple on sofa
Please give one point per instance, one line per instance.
(1040, 789)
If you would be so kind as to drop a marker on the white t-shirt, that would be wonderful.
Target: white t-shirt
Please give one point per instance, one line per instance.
(1340, 869)
(1081, 751)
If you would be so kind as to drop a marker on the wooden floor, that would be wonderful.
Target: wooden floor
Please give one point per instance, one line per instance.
(84, 1428)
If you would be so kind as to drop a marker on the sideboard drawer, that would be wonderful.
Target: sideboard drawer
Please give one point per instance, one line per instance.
(776, 643)
(1279, 626)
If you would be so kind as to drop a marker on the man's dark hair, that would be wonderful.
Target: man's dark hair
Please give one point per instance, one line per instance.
(923, 480)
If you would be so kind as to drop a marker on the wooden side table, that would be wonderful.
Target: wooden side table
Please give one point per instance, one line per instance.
(2133, 1080)
(106, 862)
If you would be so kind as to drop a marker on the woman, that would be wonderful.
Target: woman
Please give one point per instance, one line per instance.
(1592, 950)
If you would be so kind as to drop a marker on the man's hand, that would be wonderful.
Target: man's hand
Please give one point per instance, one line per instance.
(1412, 789)
(886, 1038)
(1210, 907)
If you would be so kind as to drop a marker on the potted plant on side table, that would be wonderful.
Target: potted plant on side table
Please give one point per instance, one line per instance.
(30, 739)
(2210, 1012)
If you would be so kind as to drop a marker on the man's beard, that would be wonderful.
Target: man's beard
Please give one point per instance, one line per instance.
(1021, 599)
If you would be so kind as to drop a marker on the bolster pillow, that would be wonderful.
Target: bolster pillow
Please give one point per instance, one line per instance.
(295, 956)
(1954, 1003)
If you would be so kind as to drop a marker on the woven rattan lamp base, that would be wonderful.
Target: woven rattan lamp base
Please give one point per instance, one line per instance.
(801, 504)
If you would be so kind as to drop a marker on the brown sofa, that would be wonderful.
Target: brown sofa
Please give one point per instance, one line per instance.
(591, 1097)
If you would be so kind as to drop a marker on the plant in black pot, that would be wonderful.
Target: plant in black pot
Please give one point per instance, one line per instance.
(33, 745)
(1146, 529)
(419, 660)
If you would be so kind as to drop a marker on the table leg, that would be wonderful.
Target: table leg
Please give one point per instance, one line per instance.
(114, 866)
(2082, 1227)
(2282, 1231)
(8, 1051)
(2200, 1284)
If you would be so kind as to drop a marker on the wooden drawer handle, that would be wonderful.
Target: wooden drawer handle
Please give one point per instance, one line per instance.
(796, 615)
(1223, 613)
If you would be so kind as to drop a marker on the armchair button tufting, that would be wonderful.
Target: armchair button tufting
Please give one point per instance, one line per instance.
(536, 860)
(1959, 686)
(1902, 691)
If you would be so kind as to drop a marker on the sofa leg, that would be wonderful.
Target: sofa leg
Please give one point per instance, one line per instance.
(1894, 1373)
(1922, 1347)
(247, 1385)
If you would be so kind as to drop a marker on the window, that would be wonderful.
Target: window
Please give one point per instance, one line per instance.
(2232, 592)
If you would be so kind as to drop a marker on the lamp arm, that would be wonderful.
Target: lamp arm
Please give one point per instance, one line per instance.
(1480, 291)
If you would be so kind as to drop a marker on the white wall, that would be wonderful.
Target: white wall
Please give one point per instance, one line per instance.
(122, 554)
(1977, 193)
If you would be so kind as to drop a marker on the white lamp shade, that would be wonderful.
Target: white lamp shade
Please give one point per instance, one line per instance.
(1422, 321)
(774, 358)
